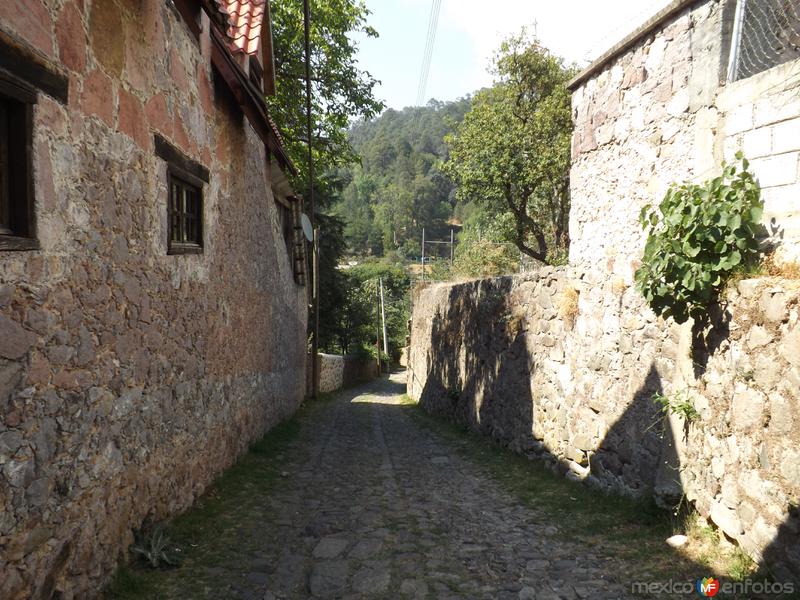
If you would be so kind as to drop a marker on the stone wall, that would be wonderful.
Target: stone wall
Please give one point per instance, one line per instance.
(129, 378)
(658, 111)
(338, 372)
(563, 365)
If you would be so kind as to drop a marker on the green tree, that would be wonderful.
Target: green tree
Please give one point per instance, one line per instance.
(366, 277)
(483, 249)
(511, 154)
(341, 91)
(401, 152)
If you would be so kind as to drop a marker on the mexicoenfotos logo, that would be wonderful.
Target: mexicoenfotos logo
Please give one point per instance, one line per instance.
(708, 587)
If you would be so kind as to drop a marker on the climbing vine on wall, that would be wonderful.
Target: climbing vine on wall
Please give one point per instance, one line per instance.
(697, 237)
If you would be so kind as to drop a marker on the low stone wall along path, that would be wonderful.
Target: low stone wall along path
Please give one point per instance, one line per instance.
(371, 498)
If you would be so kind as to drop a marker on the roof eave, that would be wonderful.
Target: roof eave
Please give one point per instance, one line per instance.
(249, 98)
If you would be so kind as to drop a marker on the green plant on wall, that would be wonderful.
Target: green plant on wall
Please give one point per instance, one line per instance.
(680, 404)
(697, 237)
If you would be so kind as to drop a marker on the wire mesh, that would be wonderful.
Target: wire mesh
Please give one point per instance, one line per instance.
(769, 35)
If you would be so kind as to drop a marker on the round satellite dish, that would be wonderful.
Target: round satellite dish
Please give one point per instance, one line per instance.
(307, 228)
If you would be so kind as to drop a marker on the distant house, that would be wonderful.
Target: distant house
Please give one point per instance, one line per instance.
(152, 308)
(697, 82)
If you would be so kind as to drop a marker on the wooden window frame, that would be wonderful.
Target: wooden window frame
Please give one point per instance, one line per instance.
(184, 171)
(177, 178)
(17, 199)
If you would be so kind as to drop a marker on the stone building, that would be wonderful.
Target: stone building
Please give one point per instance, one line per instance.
(698, 82)
(152, 312)
(565, 364)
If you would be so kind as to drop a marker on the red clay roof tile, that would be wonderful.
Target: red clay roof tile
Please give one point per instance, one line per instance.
(247, 17)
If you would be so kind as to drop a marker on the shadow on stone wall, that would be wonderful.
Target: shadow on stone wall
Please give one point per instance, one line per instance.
(782, 556)
(638, 452)
(708, 336)
(496, 399)
(637, 455)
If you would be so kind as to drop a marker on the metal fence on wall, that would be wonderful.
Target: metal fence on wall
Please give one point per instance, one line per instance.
(766, 34)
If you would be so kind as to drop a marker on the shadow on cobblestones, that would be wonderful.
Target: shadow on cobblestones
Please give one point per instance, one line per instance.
(363, 495)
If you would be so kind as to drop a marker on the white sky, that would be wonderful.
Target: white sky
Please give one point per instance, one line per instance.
(470, 31)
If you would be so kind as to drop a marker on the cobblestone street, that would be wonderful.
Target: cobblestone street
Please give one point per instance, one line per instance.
(372, 503)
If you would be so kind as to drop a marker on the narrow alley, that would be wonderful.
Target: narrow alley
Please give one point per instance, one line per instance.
(371, 499)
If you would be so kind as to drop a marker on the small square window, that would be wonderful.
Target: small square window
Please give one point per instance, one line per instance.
(185, 180)
(185, 216)
(16, 172)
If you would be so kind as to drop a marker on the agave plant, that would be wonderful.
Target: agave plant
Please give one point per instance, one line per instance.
(157, 549)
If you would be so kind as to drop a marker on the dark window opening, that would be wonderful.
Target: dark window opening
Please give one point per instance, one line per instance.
(190, 14)
(256, 72)
(185, 216)
(185, 180)
(16, 171)
(287, 225)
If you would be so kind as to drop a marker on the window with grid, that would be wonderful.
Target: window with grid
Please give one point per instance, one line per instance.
(185, 216)
(16, 183)
(766, 34)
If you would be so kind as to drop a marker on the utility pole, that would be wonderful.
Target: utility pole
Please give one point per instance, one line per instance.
(311, 207)
(383, 319)
(452, 246)
(378, 328)
(423, 254)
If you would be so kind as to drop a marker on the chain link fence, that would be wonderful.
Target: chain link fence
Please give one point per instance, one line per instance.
(766, 34)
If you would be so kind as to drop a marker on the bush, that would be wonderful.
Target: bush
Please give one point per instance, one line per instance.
(697, 237)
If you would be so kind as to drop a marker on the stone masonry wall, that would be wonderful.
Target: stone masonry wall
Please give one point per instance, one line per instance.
(129, 378)
(338, 372)
(331, 372)
(657, 114)
(563, 365)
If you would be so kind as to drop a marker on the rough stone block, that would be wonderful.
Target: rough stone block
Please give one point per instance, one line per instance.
(776, 107)
(786, 136)
(738, 120)
(726, 519)
(790, 348)
(757, 143)
(105, 27)
(30, 20)
(583, 441)
(575, 454)
(776, 170)
(775, 306)
(781, 414)
(748, 407)
(132, 121)
(71, 37)
(98, 96)
(158, 115)
(759, 337)
(14, 340)
(790, 467)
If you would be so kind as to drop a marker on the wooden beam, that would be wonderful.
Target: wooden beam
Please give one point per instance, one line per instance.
(33, 68)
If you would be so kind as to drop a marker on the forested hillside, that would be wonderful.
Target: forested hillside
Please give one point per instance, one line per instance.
(398, 189)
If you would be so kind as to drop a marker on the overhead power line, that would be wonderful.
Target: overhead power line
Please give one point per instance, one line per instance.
(433, 25)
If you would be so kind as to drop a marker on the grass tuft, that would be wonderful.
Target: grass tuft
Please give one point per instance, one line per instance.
(207, 531)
